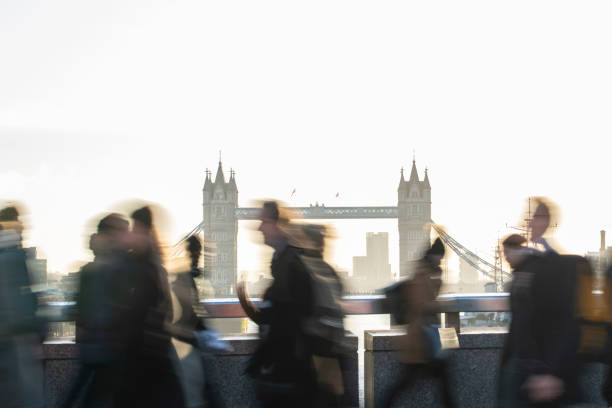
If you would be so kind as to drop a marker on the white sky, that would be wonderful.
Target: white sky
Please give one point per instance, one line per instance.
(105, 101)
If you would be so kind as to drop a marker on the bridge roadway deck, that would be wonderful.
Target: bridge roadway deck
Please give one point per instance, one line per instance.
(322, 212)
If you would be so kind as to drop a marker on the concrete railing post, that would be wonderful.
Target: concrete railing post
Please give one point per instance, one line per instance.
(451, 319)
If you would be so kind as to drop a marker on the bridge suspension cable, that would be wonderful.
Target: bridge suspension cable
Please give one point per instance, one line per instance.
(486, 268)
(470, 257)
(177, 249)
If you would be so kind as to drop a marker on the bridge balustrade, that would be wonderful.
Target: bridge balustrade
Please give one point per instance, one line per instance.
(474, 365)
(449, 305)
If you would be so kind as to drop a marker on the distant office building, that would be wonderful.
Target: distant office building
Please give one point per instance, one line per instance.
(343, 275)
(373, 270)
(53, 277)
(602, 259)
(605, 253)
(69, 284)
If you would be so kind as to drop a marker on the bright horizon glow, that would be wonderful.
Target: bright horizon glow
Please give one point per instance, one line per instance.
(105, 102)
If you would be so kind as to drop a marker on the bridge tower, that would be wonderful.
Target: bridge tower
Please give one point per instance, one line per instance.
(414, 216)
(221, 229)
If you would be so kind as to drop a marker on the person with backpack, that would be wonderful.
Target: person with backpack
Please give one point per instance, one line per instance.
(420, 349)
(539, 364)
(282, 364)
(324, 328)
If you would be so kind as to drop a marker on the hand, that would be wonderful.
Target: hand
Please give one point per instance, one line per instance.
(241, 291)
(544, 387)
(243, 297)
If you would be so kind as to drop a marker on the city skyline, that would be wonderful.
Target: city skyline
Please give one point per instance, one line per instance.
(140, 102)
(260, 254)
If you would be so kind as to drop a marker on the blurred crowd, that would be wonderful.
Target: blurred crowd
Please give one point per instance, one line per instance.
(131, 317)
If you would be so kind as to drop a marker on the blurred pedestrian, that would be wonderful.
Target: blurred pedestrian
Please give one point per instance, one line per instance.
(151, 378)
(518, 257)
(282, 364)
(196, 370)
(420, 350)
(21, 375)
(539, 363)
(101, 327)
(324, 327)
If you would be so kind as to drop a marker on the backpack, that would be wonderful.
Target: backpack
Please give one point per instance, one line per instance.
(395, 301)
(324, 326)
(593, 309)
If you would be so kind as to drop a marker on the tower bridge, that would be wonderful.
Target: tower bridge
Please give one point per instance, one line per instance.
(221, 215)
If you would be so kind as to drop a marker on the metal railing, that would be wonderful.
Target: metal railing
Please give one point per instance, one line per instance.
(451, 305)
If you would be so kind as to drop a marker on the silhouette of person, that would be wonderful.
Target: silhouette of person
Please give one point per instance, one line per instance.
(100, 325)
(539, 363)
(196, 371)
(21, 376)
(325, 327)
(420, 348)
(151, 378)
(518, 257)
(282, 364)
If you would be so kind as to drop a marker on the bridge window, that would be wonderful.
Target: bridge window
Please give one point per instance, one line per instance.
(219, 211)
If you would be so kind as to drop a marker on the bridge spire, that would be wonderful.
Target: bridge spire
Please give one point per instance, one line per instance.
(414, 175)
(207, 181)
(220, 177)
(232, 181)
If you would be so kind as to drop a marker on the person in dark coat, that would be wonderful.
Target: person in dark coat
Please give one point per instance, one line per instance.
(539, 363)
(523, 262)
(101, 326)
(21, 372)
(282, 364)
(151, 379)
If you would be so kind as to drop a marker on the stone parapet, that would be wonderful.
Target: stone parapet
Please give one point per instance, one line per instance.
(238, 390)
(474, 369)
